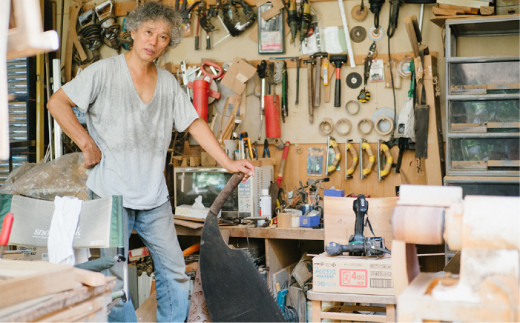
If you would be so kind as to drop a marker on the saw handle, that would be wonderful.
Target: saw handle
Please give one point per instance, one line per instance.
(226, 192)
(337, 91)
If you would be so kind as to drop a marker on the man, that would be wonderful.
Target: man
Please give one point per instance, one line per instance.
(132, 107)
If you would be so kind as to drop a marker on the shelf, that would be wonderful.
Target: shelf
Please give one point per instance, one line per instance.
(481, 59)
(480, 179)
(492, 26)
(483, 97)
(244, 231)
(479, 135)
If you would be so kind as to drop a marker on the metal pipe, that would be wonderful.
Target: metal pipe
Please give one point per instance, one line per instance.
(56, 85)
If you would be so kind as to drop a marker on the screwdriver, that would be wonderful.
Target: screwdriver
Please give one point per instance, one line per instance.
(246, 140)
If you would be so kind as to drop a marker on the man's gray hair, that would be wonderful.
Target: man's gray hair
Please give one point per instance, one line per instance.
(156, 11)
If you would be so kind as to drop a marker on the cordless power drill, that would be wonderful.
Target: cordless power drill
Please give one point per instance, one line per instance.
(358, 244)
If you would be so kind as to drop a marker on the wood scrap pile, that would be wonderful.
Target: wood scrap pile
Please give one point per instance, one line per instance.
(457, 7)
(41, 291)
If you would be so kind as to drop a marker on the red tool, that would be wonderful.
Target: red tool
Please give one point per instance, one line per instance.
(202, 91)
(272, 117)
(6, 232)
(279, 177)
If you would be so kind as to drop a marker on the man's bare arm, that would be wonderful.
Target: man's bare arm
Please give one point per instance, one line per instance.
(60, 106)
(201, 132)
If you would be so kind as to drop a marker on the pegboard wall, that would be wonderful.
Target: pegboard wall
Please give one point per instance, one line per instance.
(297, 127)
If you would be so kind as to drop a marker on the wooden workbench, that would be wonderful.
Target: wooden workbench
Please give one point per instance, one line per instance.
(283, 247)
(243, 231)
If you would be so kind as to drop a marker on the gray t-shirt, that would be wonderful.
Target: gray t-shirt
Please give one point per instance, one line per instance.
(133, 137)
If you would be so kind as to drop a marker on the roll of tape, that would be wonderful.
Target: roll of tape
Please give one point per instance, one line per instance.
(403, 68)
(340, 124)
(369, 122)
(349, 104)
(326, 127)
(378, 129)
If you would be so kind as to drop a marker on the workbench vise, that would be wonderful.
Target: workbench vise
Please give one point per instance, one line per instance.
(486, 231)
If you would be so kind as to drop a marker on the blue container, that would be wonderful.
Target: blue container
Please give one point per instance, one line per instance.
(309, 221)
(333, 192)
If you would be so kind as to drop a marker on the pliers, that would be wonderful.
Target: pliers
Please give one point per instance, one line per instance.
(266, 150)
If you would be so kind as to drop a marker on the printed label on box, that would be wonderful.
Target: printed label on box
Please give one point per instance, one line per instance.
(353, 278)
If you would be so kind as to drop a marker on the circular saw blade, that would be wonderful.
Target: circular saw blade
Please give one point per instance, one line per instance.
(359, 14)
(376, 34)
(354, 80)
(358, 34)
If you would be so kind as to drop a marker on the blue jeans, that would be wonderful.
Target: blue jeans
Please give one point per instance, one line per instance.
(157, 231)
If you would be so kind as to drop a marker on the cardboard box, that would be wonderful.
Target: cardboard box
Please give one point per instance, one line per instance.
(352, 275)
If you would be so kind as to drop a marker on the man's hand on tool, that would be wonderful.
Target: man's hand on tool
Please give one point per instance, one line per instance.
(241, 166)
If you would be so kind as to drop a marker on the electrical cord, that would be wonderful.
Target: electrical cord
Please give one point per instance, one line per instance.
(375, 7)
(392, 26)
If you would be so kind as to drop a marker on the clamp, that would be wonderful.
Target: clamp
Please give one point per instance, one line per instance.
(331, 142)
(349, 147)
(383, 156)
(363, 145)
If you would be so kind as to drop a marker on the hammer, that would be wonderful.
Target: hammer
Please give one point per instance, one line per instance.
(309, 63)
(298, 60)
(338, 60)
(317, 87)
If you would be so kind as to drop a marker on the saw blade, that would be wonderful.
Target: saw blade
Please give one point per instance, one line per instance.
(376, 34)
(354, 80)
(359, 14)
(358, 34)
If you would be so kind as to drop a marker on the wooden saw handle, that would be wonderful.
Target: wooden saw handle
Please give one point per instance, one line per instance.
(225, 193)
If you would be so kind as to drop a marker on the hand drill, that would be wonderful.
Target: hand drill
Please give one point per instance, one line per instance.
(358, 245)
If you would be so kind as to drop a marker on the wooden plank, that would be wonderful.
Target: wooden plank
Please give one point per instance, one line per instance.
(24, 280)
(469, 164)
(72, 40)
(483, 127)
(446, 12)
(434, 164)
(242, 231)
(339, 218)
(189, 224)
(80, 310)
(351, 298)
(468, 10)
(147, 312)
(503, 163)
(121, 9)
(440, 20)
(417, 304)
(498, 86)
(353, 317)
(484, 165)
(90, 278)
(32, 310)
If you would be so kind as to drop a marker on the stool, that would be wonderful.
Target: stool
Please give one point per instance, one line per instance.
(339, 313)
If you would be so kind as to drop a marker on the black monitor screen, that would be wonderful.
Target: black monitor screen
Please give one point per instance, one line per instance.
(192, 182)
